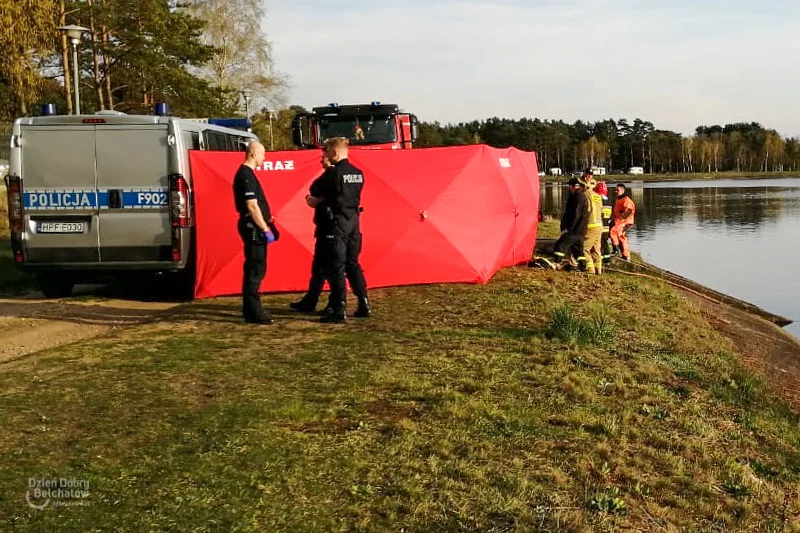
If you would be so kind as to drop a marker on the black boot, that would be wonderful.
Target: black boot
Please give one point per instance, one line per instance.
(263, 318)
(328, 309)
(304, 306)
(364, 310)
(335, 316)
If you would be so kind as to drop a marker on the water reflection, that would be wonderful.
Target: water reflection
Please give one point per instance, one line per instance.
(736, 236)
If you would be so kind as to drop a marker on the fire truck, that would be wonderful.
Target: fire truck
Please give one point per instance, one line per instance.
(373, 126)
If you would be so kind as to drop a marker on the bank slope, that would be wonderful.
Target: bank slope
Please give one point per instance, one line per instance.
(541, 402)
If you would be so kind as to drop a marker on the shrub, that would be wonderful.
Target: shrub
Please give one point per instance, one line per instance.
(565, 325)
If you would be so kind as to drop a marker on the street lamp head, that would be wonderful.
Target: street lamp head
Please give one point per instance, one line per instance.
(74, 32)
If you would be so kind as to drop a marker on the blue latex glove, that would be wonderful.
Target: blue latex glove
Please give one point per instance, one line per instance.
(269, 237)
(274, 229)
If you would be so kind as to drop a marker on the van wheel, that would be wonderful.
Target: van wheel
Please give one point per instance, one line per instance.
(183, 286)
(55, 285)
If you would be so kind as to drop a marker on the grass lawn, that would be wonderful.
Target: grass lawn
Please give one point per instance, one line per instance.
(542, 401)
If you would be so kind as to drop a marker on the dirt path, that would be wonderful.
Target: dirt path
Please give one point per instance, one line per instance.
(30, 324)
(762, 345)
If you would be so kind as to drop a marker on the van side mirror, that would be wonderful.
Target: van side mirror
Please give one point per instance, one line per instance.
(414, 128)
(301, 123)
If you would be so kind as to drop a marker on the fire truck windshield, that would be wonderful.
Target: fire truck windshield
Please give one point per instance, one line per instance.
(360, 129)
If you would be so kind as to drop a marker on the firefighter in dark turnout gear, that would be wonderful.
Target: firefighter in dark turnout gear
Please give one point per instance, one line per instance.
(569, 246)
(605, 242)
(341, 192)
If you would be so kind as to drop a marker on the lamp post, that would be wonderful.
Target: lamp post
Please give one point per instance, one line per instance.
(270, 112)
(74, 34)
(246, 97)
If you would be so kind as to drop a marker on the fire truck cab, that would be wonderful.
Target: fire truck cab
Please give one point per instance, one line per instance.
(372, 126)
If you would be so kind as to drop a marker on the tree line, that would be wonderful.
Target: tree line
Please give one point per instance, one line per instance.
(621, 144)
(614, 144)
(199, 56)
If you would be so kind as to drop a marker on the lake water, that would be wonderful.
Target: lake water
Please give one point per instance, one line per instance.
(740, 237)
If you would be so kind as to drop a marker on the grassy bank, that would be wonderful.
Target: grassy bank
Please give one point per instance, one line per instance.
(3, 211)
(689, 176)
(540, 402)
(12, 281)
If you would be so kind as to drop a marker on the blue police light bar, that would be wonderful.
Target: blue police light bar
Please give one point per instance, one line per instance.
(162, 109)
(233, 123)
(375, 104)
(48, 110)
(334, 104)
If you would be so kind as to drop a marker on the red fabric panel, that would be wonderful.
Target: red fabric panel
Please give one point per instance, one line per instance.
(430, 215)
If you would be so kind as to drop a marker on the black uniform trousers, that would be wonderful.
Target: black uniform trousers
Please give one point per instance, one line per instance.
(569, 244)
(344, 260)
(320, 265)
(255, 268)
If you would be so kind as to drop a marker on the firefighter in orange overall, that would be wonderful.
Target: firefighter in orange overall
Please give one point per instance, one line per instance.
(621, 221)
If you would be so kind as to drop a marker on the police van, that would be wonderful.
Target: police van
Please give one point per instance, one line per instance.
(93, 196)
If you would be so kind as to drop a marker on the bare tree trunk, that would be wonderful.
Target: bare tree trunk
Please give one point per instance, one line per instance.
(644, 158)
(106, 77)
(716, 155)
(98, 84)
(106, 69)
(62, 21)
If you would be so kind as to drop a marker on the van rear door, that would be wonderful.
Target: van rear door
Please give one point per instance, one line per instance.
(133, 163)
(59, 194)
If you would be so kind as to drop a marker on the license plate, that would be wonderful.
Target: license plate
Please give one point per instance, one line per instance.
(61, 227)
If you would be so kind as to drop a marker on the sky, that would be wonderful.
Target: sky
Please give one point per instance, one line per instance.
(676, 63)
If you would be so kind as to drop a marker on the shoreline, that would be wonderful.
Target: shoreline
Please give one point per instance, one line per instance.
(757, 335)
(693, 176)
(641, 267)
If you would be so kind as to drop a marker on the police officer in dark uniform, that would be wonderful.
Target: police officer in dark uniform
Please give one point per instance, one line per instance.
(323, 242)
(257, 229)
(341, 192)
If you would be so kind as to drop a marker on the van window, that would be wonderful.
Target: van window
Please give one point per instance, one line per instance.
(214, 141)
(224, 142)
(191, 140)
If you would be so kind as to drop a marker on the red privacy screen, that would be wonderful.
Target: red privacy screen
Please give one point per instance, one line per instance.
(455, 214)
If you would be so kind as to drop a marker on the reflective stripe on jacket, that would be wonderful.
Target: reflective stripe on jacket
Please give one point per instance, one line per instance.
(595, 209)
